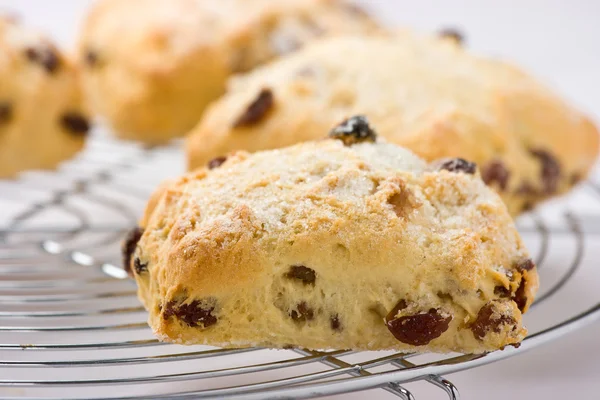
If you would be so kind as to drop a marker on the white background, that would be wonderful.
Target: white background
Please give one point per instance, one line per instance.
(557, 40)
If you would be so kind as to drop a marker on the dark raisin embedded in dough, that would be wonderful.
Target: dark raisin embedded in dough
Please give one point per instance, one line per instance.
(335, 323)
(526, 264)
(139, 267)
(354, 130)
(453, 34)
(75, 123)
(496, 172)
(488, 321)
(216, 162)
(551, 171)
(501, 291)
(129, 245)
(527, 206)
(91, 58)
(459, 165)
(526, 189)
(195, 314)
(304, 274)
(6, 112)
(302, 312)
(576, 177)
(257, 110)
(419, 329)
(519, 297)
(45, 56)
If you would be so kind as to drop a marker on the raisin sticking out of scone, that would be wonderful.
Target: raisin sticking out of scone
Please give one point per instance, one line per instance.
(489, 319)
(417, 329)
(496, 173)
(550, 172)
(303, 274)
(194, 314)
(5, 112)
(216, 162)
(458, 165)
(257, 110)
(45, 56)
(91, 58)
(354, 130)
(75, 123)
(128, 247)
(453, 34)
(327, 246)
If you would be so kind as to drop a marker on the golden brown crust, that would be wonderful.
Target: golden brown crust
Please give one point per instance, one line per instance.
(42, 118)
(314, 245)
(423, 93)
(152, 66)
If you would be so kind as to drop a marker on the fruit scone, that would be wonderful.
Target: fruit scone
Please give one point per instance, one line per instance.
(425, 93)
(151, 66)
(343, 243)
(42, 117)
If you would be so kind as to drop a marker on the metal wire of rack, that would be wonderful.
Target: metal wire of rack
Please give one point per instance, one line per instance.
(71, 325)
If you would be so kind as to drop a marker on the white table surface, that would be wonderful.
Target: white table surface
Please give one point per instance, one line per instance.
(558, 41)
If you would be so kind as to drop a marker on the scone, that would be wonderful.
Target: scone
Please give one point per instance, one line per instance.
(152, 66)
(425, 93)
(42, 118)
(342, 243)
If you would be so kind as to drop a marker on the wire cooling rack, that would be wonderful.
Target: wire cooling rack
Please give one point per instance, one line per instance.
(72, 327)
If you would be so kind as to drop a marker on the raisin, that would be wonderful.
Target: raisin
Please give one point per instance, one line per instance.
(139, 267)
(44, 56)
(75, 123)
(519, 297)
(526, 264)
(527, 206)
(257, 110)
(526, 189)
(452, 33)
(335, 323)
(302, 313)
(485, 322)
(495, 171)
(6, 112)
(129, 245)
(459, 165)
(419, 329)
(302, 273)
(550, 173)
(354, 130)
(91, 58)
(501, 291)
(193, 314)
(576, 177)
(216, 162)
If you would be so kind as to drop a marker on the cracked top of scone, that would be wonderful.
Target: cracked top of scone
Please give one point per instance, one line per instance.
(367, 224)
(424, 93)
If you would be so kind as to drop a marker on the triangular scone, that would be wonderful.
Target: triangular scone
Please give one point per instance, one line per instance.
(346, 244)
(426, 94)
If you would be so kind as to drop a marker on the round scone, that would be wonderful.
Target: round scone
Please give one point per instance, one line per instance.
(342, 243)
(42, 118)
(152, 66)
(425, 93)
